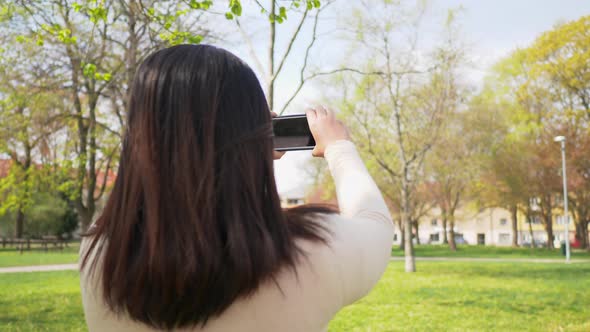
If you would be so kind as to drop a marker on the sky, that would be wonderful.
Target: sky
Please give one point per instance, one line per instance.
(491, 29)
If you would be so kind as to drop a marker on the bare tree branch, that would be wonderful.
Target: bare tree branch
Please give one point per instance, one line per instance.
(106, 175)
(340, 70)
(251, 49)
(291, 41)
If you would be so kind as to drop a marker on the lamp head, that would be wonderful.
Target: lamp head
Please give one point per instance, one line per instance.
(559, 139)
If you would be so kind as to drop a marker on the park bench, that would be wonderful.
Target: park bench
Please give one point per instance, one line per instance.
(46, 243)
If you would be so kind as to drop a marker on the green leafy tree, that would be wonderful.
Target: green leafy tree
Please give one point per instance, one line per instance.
(559, 62)
(396, 115)
(546, 86)
(26, 108)
(91, 50)
(456, 163)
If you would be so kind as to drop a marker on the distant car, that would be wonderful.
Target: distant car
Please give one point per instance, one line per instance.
(459, 239)
(537, 243)
(576, 243)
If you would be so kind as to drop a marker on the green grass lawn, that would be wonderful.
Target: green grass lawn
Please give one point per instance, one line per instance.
(11, 257)
(463, 296)
(488, 252)
(441, 296)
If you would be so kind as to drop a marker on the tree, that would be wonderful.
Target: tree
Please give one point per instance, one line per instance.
(579, 186)
(454, 165)
(547, 84)
(25, 112)
(396, 116)
(91, 50)
(303, 12)
(559, 61)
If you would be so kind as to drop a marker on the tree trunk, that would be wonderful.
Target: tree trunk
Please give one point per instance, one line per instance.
(530, 221)
(271, 58)
(131, 52)
(410, 265)
(416, 230)
(85, 219)
(546, 207)
(452, 244)
(581, 212)
(20, 214)
(548, 223)
(402, 236)
(550, 236)
(578, 232)
(514, 215)
(444, 225)
(584, 243)
(20, 221)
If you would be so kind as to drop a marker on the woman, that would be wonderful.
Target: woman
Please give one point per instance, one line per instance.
(193, 236)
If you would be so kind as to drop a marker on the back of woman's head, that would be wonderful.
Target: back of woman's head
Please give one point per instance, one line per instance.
(194, 219)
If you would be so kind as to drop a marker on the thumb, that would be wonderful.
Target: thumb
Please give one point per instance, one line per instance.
(317, 152)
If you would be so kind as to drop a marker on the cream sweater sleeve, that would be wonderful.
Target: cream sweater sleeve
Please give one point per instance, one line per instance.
(363, 233)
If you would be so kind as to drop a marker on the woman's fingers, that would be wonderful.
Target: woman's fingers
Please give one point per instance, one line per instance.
(277, 155)
(311, 114)
(321, 111)
(325, 129)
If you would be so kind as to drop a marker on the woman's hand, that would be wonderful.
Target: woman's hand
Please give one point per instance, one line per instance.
(325, 129)
(276, 154)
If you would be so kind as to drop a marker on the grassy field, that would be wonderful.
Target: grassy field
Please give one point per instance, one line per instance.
(11, 257)
(489, 252)
(474, 297)
(455, 296)
(48, 301)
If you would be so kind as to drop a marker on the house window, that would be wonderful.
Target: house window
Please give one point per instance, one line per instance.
(434, 237)
(481, 239)
(293, 201)
(560, 220)
(503, 221)
(535, 220)
(503, 238)
(434, 222)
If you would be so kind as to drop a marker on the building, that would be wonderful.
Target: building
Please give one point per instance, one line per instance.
(292, 197)
(490, 226)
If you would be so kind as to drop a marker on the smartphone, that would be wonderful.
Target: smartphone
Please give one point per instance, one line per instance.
(291, 133)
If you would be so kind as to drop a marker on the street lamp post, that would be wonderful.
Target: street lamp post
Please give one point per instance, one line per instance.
(561, 139)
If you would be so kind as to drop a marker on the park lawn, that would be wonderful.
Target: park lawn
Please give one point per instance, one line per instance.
(41, 301)
(11, 257)
(470, 251)
(441, 296)
(460, 296)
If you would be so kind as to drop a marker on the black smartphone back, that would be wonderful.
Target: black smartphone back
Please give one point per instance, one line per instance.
(291, 133)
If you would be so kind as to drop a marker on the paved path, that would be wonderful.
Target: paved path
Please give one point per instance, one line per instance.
(39, 268)
(64, 267)
(494, 260)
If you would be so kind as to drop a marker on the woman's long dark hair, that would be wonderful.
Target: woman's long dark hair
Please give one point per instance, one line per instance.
(194, 220)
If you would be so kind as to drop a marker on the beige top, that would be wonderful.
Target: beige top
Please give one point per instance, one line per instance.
(334, 276)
